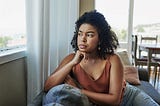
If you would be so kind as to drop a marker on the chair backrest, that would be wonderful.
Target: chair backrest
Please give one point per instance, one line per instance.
(134, 49)
(149, 39)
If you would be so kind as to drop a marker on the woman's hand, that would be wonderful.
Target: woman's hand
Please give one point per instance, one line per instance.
(78, 57)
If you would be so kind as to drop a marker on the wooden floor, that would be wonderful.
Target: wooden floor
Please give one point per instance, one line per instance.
(157, 84)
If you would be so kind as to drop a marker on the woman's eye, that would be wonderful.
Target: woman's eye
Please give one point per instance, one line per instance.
(80, 34)
(90, 34)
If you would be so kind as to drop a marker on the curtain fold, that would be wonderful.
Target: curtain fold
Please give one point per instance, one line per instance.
(50, 26)
(37, 13)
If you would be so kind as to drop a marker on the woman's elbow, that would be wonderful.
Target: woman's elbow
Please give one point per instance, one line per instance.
(46, 87)
(49, 84)
(117, 101)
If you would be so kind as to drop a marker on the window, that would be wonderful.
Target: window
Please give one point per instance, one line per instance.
(146, 20)
(116, 13)
(12, 24)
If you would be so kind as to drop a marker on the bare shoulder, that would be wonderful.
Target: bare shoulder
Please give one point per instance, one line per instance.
(67, 59)
(114, 57)
(116, 62)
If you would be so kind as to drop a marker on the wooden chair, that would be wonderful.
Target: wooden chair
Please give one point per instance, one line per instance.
(135, 60)
(147, 40)
(157, 72)
(141, 61)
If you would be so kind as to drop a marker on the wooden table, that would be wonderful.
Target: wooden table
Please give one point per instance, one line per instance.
(150, 49)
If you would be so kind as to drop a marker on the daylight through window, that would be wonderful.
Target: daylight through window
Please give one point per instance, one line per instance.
(116, 13)
(12, 24)
(146, 20)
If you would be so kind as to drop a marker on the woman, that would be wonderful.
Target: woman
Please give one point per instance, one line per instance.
(94, 65)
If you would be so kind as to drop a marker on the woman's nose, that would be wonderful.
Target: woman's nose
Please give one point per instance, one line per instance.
(84, 38)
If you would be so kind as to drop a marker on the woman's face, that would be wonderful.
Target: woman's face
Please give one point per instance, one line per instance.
(87, 39)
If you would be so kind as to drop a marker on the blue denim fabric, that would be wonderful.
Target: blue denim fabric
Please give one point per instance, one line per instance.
(135, 97)
(65, 95)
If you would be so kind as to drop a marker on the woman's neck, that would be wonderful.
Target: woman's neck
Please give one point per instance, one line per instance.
(91, 57)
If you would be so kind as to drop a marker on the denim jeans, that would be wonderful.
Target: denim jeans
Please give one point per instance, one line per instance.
(135, 97)
(65, 95)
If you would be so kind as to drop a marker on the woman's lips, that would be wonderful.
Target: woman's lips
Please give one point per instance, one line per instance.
(82, 46)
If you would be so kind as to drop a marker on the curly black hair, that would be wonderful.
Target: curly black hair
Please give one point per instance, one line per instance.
(108, 39)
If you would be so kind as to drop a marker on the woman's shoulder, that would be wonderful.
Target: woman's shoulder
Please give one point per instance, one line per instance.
(68, 58)
(114, 57)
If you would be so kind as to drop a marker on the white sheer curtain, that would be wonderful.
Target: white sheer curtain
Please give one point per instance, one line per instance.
(50, 26)
(37, 45)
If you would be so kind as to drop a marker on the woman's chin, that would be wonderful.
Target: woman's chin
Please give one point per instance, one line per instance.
(82, 50)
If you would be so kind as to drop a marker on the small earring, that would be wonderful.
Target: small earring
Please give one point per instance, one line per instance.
(99, 48)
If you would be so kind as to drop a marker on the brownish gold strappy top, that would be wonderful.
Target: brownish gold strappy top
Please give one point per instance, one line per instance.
(100, 85)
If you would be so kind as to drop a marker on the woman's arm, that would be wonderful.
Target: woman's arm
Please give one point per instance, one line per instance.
(115, 87)
(63, 70)
(60, 73)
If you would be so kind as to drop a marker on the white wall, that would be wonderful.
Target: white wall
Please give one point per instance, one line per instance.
(13, 83)
(86, 5)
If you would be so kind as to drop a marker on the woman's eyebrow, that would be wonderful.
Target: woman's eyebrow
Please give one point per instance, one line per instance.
(90, 32)
(87, 31)
(80, 31)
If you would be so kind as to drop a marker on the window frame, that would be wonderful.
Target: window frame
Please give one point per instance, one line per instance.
(10, 54)
(13, 52)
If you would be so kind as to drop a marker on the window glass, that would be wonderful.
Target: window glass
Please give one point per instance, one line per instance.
(116, 13)
(146, 18)
(12, 23)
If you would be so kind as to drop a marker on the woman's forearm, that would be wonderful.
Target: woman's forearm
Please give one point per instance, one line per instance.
(102, 98)
(58, 77)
